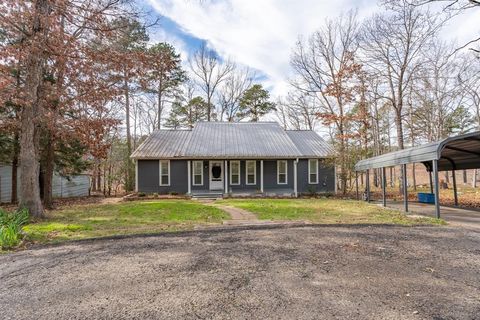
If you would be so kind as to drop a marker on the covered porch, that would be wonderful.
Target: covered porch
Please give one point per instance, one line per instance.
(451, 154)
(242, 178)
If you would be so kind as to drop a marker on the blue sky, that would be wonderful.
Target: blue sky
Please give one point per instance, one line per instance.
(260, 34)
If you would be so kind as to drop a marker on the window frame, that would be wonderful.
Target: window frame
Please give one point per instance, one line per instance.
(286, 172)
(310, 173)
(231, 173)
(160, 175)
(193, 173)
(254, 173)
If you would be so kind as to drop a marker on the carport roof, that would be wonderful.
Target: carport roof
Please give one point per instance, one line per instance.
(459, 152)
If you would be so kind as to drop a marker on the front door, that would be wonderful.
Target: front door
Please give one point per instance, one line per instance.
(216, 175)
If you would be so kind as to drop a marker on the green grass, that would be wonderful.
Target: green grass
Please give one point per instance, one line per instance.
(91, 221)
(327, 211)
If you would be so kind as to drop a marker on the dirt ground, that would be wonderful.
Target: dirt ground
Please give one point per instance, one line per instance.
(310, 272)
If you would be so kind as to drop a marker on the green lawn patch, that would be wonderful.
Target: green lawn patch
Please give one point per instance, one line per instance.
(328, 211)
(91, 221)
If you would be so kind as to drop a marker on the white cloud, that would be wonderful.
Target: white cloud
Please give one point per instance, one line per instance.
(261, 33)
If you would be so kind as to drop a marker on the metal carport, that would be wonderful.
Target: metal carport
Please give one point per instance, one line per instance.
(453, 153)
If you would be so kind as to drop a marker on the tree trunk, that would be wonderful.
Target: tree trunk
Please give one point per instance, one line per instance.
(414, 177)
(465, 180)
(16, 146)
(48, 173)
(474, 178)
(129, 177)
(31, 112)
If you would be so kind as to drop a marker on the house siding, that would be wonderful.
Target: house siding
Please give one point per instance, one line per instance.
(326, 178)
(148, 177)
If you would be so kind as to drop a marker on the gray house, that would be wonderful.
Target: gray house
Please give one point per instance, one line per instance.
(236, 159)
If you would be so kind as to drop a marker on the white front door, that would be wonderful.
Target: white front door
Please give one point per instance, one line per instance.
(216, 175)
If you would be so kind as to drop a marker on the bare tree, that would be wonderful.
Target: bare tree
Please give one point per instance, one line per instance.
(325, 67)
(209, 73)
(392, 45)
(231, 91)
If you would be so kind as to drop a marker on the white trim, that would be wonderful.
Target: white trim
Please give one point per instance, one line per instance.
(160, 173)
(254, 172)
(231, 173)
(189, 173)
(226, 177)
(295, 175)
(261, 176)
(309, 172)
(201, 173)
(211, 182)
(136, 175)
(286, 172)
(335, 178)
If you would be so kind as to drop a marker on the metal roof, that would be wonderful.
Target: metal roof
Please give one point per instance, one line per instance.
(227, 140)
(163, 144)
(309, 143)
(459, 152)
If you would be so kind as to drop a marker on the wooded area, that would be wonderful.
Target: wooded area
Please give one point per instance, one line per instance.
(81, 84)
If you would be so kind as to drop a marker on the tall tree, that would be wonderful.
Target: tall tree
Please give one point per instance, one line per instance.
(185, 115)
(164, 74)
(255, 103)
(129, 41)
(393, 44)
(325, 66)
(209, 72)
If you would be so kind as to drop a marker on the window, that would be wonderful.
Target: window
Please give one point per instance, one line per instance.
(235, 172)
(164, 172)
(282, 171)
(251, 169)
(197, 173)
(313, 171)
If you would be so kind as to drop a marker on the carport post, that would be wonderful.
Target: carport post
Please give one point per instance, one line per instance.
(368, 185)
(455, 194)
(431, 183)
(405, 191)
(436, 189)
(384, 191)
(356, 185)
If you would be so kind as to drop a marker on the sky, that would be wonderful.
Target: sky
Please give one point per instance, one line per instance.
(261, 34)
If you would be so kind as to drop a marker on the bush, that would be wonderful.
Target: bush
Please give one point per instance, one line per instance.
(11, 225)
(141, 194)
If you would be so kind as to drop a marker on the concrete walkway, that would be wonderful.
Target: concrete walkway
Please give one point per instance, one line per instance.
(454, 216)
(241, 217)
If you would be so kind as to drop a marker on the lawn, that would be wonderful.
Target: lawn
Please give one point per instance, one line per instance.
(91, 221)
(328, 211)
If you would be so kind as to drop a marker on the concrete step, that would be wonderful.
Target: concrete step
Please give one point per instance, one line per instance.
(207, 196)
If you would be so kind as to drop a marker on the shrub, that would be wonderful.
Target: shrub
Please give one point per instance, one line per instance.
(11, 224)
(142, 194)
(173, 193)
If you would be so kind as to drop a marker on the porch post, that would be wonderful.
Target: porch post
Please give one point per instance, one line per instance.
(405, 191)
(136, 175)
(295, 164)
(455, 193)
(225, 174)
(384, 187)
(189, 179)
(436, 189)
(261, 176)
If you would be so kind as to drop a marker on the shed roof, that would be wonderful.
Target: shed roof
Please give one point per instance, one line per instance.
(459, 152)
(227, 140)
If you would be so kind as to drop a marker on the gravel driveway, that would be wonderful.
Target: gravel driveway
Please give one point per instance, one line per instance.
(310, 272)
